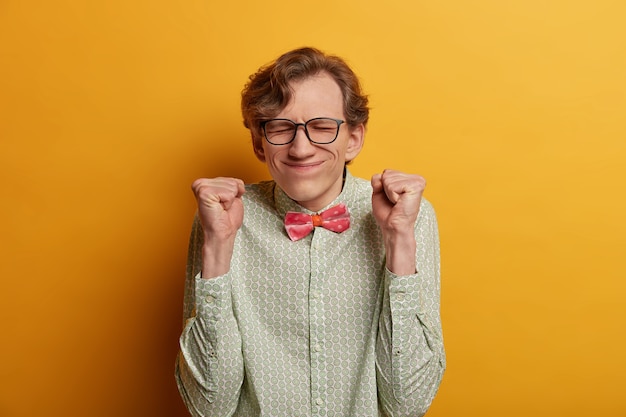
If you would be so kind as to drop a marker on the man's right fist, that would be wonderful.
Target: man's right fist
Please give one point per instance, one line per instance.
(220, 207)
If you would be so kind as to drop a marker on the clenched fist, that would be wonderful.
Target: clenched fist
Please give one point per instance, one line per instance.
(396, 199)
(220, 210)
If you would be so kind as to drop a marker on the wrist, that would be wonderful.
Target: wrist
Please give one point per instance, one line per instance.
(216, 257)
(400, 249)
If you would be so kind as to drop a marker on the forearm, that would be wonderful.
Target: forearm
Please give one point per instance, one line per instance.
(400, 250)
(209, 368)
(410, 351)
(410, 354)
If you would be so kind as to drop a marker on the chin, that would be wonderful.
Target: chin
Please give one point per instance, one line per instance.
(306, 191)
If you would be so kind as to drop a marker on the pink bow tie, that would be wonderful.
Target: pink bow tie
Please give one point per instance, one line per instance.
(298, 225)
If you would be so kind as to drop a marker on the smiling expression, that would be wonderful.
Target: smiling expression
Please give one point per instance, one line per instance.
(312, 174)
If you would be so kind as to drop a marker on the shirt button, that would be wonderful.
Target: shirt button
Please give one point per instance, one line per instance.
(319, 401)
(210, 299)
(315, 294)
(317, 348)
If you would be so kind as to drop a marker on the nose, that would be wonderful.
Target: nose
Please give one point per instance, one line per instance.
(301, 147)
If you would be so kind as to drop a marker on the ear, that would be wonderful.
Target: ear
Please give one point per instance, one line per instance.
(259, 152)
(355, 142)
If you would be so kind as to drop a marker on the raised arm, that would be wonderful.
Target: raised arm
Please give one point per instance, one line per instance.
(410, 357)
(209, 369)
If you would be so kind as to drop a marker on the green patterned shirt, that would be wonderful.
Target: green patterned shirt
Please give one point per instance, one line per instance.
(316, 327)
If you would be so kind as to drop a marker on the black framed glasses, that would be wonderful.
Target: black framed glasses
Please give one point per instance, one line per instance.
(321, 130)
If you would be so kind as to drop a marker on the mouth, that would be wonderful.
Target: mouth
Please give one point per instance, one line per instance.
(302, 166)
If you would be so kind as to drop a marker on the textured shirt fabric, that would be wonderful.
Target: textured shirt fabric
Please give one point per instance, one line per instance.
(316, 327)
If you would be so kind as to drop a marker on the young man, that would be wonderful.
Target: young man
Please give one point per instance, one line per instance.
(317, 293)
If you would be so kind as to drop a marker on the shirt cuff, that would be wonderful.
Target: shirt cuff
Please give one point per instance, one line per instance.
(404, 293)
(211, 296)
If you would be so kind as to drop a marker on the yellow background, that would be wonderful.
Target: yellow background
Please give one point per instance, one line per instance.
(514, 111)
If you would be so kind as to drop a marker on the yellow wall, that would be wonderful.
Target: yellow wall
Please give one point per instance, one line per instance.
(515, 112)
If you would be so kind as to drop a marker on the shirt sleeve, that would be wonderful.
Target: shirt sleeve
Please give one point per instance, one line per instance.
(410, 356)
(209, 367)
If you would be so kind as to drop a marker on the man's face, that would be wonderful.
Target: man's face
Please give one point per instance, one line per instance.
(312, 174)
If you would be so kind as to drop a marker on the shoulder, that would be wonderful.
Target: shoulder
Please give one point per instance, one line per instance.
(427, 207)
(260, 190)
(426, 216)
(361, 186)
(357, 188)
(360, 190)
(259, 197)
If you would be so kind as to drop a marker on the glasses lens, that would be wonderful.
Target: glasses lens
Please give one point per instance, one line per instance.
(322, 130)
(279, 132)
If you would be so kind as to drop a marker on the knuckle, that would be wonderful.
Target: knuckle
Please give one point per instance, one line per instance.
(196, 184)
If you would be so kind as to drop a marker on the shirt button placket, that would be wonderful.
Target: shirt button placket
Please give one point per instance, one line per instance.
(317, 330)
